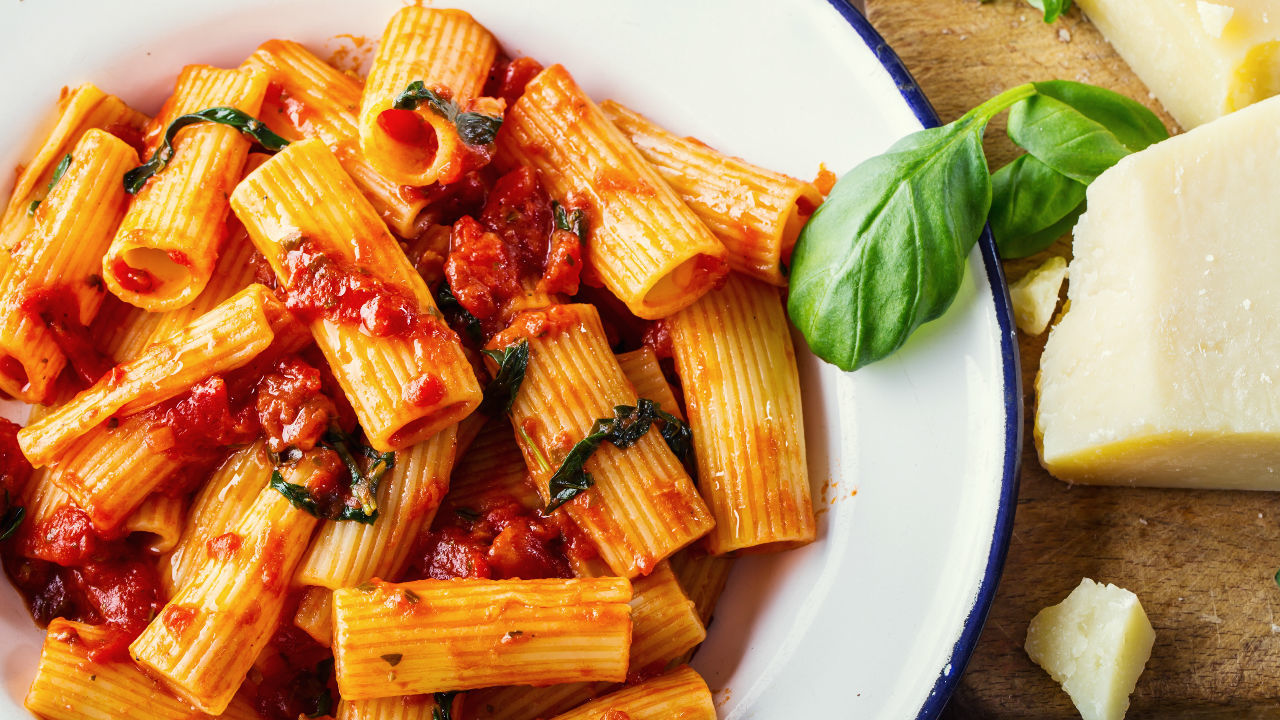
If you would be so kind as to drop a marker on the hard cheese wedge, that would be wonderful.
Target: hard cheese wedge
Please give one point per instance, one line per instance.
(1164, 369)
(1095, 644)
(1201, 58)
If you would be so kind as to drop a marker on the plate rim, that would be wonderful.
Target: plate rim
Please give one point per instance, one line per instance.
(967, 642)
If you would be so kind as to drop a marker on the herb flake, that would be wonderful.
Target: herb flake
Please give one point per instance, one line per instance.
(444, 705)
(11, 519)
(393, 659)
(501, 392)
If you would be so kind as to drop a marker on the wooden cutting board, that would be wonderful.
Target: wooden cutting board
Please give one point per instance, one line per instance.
(1202, 562)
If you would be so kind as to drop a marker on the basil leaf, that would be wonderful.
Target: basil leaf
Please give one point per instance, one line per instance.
(444, 705)
(364, 485)
(501, 391)
(624, 429)
(58, 171)
(475, 129)
(11, 519)
(1080, 130)
(1029, 198)
(297, 495)
(1052, 8)
(886, 252)
(136, 178)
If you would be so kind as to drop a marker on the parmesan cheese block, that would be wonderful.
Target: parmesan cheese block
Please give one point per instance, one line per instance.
(1164, 370)
(1095, 644)
(1201, 58)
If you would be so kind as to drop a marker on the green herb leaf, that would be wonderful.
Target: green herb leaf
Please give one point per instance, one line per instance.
(316, 684)
(136, 178)
(501, 392)
(1031, 206)
(886, 252)
(297, 495)
(410, 596)
(393, 659)
(1080, 130)
(624, 429)
(444, 706)
(1052, 8)
(58, 171)
(446, 301)
(11, 519)
(574, 221)
(364, 485)
(475, 129)
(467, 514)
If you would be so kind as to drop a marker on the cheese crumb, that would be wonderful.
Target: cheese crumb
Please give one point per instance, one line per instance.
(1214, 17)
(1095, 643)
(1035, 295)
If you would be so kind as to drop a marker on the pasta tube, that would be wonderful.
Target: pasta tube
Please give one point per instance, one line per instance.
(310, 98)
(449, 53)
(645, 244)
(52, 289)
(736, 362)
(403, 707)
(642, 506)
(205, 640)
(681, 693)
(399, 364)
(461, 634)
(222, 339)
(160, 518)
(164, 252)
(756, 213)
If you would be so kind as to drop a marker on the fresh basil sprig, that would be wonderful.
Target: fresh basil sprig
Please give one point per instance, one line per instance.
(446, 301)
(475, 129)
(886, 252)
(136, 178)
(501, 392)
(444, 705)
(628, 425)
(11, 519)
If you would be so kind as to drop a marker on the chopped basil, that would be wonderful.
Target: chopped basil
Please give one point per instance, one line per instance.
(316, 685)
(444, 706)
(475, 129)
(58, 172)
(393, 659)
(574, 221)
(11, 519)
(627, 426)
(501, 391)
(364, 484)
(467, 514)
(231, 117)
(297, 495)
(410, 596)
(447, 302)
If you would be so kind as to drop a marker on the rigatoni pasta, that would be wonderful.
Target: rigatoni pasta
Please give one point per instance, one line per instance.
(321, 236)
(446, 52)
(164, 252)
(645, 244)
(756, 213)
(681, 693)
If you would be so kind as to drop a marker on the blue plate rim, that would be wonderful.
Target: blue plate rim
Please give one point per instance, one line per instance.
(915, 98)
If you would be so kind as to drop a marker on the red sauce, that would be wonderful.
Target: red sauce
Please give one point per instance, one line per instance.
(536, 324)
(295, 673)
(15, 471)
(657, 337)
(408, 128)
(272, 561)
(513, 241)
(506, 540)
(445, 204)
(224, 546)
(134, 280)
(178, 618)
(322, 285)
(825, 180)
(196, 426)
(291, 407)
(509, 77)
(425, 390)
(67, 538)
(59, 310)
(179, 258)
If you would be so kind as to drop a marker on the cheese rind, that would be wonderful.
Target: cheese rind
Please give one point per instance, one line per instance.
(1095, 643)
(1201, 58)
(1165, 369)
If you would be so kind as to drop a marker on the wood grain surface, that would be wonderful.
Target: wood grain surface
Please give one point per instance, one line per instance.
(1202, 562)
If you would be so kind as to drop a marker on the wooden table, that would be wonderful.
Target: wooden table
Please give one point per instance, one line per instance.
(1201, 562)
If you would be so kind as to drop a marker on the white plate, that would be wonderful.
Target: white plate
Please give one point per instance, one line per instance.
(878, 617)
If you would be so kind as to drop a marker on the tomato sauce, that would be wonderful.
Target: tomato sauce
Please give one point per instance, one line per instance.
(293, 677)
(15, 471)
(59, 310)
(134, 280)
(500, 541)
(508, 77)
(513, 241)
